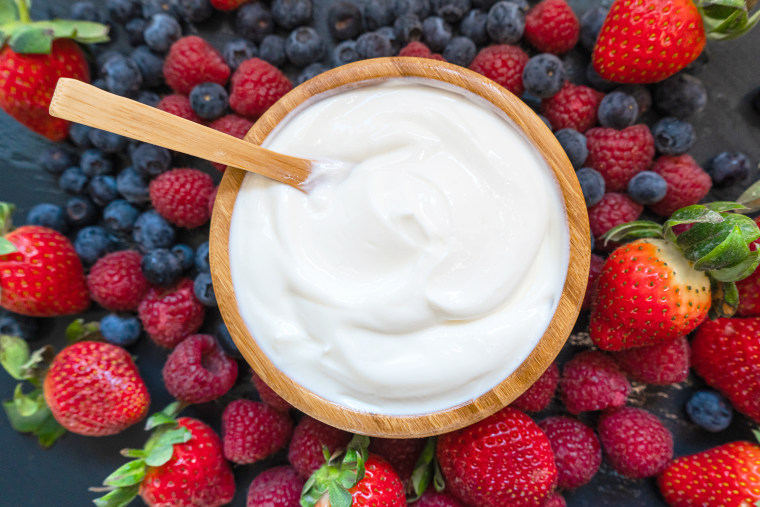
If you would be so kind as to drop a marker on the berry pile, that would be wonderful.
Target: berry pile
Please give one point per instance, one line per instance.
(131, 240)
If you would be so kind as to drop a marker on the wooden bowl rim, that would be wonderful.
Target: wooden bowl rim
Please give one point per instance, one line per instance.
(549, 345)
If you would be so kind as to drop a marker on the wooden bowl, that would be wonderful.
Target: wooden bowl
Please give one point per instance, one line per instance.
(548, 346)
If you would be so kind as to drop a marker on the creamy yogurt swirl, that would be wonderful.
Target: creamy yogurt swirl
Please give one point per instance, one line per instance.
(417, 280)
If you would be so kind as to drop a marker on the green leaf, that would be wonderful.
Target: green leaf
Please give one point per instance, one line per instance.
(751, 197)
(133, 453)
(703, 238)
(721, 206)
(8, 11)
(756, 433)
(41, 423)
(730, 252)
(339, 496)
(33, 368)
(28, 404)
(14, 354)
(6, 247)
(49, 431)
(166, 416)
(161, 448)
(634, 230)
(79, 330)
(694, 214)
(31, 40)
(128, 474)
(438, 482)
(347, 478)
(423, 471)
(739, 271)
(738, 4)
(6, 223)
(119, 497)
(159, 455)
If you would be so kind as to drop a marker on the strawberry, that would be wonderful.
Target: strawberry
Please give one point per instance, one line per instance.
(40, 273)
(749, 289)
(36, 55)
(646, 42)
(725, 475)
(658, 288)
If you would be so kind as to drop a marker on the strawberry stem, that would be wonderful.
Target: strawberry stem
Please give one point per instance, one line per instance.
(23, 11)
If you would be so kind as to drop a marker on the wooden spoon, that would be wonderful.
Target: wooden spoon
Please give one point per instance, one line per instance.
(86, 104)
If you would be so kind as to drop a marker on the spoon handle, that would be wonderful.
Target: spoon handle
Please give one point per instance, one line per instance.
(86, 104)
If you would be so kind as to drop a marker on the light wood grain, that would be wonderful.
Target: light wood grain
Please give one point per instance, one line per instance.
(86, 104)
(366, 72)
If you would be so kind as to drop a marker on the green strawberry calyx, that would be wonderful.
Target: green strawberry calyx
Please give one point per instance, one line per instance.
(123, 485)
(342, 471)
(727, 19)
(426, 469)
(36, 37)
(6, 224)
(717, 243)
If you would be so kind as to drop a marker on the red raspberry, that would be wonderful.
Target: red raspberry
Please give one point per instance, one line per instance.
(594, 269)
(577, 452)
(592, 381)
(227, 5)
(538, 396)
(504, 64)
(179, 105)
(636, 443)
(555, 500)
(169, 315)
(614, 209)
(256, 85)
(619, 155)
(309, 435)
(192, 61)
(687, 183)
(116, 281)
(749, 289)
(252, 430)
(268, 396)
(661, 364)
(276, 487)
(573, 107)
(418, 49)
(197, 370)
(401, 453)
(181, 196)
(432, 498)
(233, 125)
(552, 27)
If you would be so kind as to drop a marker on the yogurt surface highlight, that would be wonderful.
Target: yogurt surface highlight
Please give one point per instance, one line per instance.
(419, 279)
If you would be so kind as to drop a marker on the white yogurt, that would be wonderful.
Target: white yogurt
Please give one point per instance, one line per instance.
(419, 279)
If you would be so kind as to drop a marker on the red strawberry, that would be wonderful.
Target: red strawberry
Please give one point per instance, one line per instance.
(276, 487)
(504, 64)
(726, 353)
(749, 289)
(551, 26)
(540, 394)
(504, 460)
(687, 183)
(659, 364)
(619, 155)
(309, 437)
(380, 486)
(573, 107)
(252, 430)
(725, 475)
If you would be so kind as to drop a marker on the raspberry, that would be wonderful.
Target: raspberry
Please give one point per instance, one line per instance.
(256, 85)
(687, 183)
(252, 430)
(197, 370)
(552, 27)
(116, 281)
(614, 209)
(749, 289)
(574, 107)
(192, 61)
(418, 49)
(538, 396)
(227, 5)
(268, 396)
(309, 435)
(636, 443)
(181, 196)
(619, 155)
(179, 105)
(504, 64)
(554, 500)
(401, 453)
(592, 381)
(276, 487)
(593, 276)
(169, 315)
(233, 125)
(433, 499)
(660, 364)
(577, 452)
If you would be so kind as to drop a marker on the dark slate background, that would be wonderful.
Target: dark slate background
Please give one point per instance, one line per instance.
(60, 476)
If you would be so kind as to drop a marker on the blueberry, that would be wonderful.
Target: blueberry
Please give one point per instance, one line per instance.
(94, 162)
(592, 185)
(591, 23)
(473, 26)
(204, 289)
(729, 167)
(390, 33)
(460, 51)
(673, 136)
(344, 19)
(161, 32)
(124, 10)
(237, 51)
(73, 180)
(373, 45)
(103, 55)
(506, 23)
(100, 83)
(291, 13)
(544, 75)
(272, 50)
(407, 28)
(451, 10)
(647, 187)
(378, 13)
(201, 258)
(56, 159)
(122, 76)
(546, 121)
(618, 110)
(92, 243)
(48, 215)
(640, 93)
(681, 96)
(80, 135)
(151, 160)
(81, 211)
(574, 144)
(152, 231)
(225, 341)
(303, 46)
(310, 71)
(107, 142)
(132, 186)
(149, 98)
(120, 330)
(345, 52)
(209, 100)
(195, 11)
(524, 5)
(119, 216)
(150, 64)
(102, 189)
(596, 81)
(436, 33)
(85, 11)
(161, 267)
(709, 410)
(419, 8)
(152, 7)
(135, 28)
(254, 21)
(21, 326)
(185, 255)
